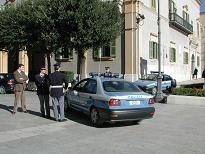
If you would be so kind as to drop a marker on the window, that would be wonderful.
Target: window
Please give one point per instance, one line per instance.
(185, 57)
(107, 51)
(91, 87)
(166, 78)
(172, 7)
(172, 55)
(120, 86)
(64, 53)
(153, 50)
(198, 61)
(198, 30)
(80, 86)
(185, 16)
(153, 4)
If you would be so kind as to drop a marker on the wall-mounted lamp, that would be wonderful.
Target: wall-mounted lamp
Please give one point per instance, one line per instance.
(139, 18)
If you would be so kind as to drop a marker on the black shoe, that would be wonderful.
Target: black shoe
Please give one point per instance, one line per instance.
(48, 117)
(62, 120)
(13, 112)
(43, 115)
(25, 111)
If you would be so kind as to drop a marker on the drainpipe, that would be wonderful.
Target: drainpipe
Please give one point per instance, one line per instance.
(132, 39)
(137, 47)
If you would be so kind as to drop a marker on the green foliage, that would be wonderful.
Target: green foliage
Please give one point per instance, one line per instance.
(47, 25)
(69, 75)
(189, 92)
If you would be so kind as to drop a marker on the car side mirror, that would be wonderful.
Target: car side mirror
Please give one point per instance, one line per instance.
(75, 93)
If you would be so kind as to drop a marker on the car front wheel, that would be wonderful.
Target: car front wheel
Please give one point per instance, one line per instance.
(2, 90)
(95, 117)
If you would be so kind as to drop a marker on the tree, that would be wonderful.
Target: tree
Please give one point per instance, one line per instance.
(53, 24)
(86, 24)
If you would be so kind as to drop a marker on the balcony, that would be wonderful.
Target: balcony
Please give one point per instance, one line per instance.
(180, 24)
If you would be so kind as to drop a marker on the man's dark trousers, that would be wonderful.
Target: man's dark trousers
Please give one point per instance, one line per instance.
(44, 99)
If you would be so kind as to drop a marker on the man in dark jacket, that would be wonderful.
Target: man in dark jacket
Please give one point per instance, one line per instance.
(42, 83)
(57, 79)
(108, 73)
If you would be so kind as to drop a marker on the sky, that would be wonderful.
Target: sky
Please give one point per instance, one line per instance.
(203, 6)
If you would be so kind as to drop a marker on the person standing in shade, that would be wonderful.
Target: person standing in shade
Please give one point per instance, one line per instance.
(195, 73)
(203, 76)
(42, 83)
(108, 73)
(57, 79)
(20, 80)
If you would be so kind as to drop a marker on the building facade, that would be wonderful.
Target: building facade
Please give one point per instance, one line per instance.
(202, 19)
(180, 38)
(93, 61)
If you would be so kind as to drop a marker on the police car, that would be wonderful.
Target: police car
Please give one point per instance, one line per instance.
(149, 84)
(110, 99)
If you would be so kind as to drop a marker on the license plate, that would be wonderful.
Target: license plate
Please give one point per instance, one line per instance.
(134, 102)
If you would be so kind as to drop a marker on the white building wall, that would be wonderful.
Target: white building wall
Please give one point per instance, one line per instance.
(178, 70)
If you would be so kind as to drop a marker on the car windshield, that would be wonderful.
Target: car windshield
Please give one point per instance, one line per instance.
(120, 86)
(152, 77)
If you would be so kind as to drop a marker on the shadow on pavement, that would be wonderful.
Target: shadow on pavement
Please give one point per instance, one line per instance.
(34, 113)
(7, 108)
(39, 114)
(82, 118)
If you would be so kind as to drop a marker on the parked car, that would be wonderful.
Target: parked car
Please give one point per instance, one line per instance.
(110, 99)
(149, 84)
(31, 86)
(6, 83)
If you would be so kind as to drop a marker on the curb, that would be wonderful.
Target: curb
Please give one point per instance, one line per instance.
(186, 100)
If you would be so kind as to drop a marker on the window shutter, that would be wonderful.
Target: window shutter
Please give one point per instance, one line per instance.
(153, 5)
(150, 49)
(170, 54)
(113, 49)
(185, 58)
(174, 55)
(157, 50)
(95, 53)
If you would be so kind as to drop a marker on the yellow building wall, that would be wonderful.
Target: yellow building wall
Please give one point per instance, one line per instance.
(3, 61)
(23, 59)
(130, 36)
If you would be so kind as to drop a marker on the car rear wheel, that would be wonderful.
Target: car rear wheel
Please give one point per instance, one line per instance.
(67, 105)
(95, 117)
(2, 90)
(136, 121)
(154, 91)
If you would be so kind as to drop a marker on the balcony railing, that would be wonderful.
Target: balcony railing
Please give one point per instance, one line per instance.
(180, 23)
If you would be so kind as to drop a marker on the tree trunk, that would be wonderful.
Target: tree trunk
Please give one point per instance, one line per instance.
(48, 62)
(79, 66)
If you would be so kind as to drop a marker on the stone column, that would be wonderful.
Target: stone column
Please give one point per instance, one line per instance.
(23, 59)
(3, 61)
(84, 66)
(130, 39)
